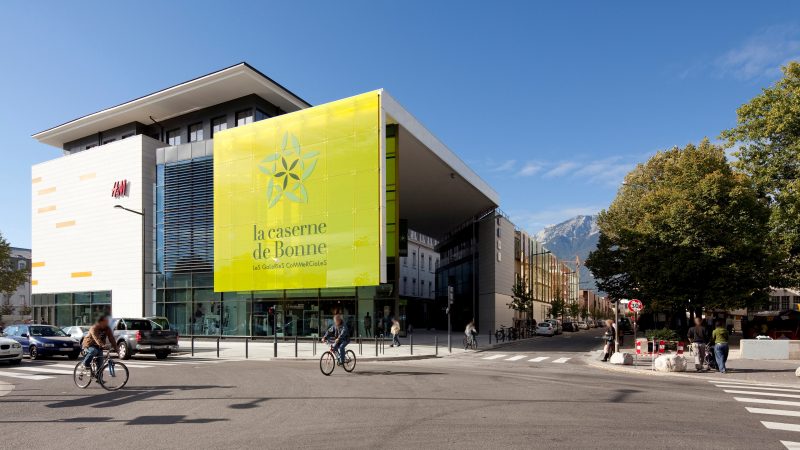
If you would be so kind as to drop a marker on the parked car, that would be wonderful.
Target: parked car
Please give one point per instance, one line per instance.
(557, 328)
(140, 335)
(10, 350)
(77, 332)
(583, 326)
(38, 341)
(545, 329)
(601, 323)
(569, 326)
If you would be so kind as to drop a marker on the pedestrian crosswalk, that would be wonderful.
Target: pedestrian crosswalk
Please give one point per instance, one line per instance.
(525, 358)
(771, 402)
(46, 370)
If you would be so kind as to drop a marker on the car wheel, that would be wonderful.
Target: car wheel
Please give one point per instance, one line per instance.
(162, 355)
(34, 353)
(123, 350)
(73, 356)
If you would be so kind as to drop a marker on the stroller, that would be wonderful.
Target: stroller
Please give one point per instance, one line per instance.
(710, 359)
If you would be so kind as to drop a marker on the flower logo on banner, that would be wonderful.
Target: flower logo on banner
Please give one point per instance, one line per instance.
(288, 169)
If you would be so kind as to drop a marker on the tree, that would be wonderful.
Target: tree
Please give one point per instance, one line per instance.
(557, 307)
(521, 296)
(685, 226)
(10, 275)
(574, 309)
(768, 135)
(584, 313)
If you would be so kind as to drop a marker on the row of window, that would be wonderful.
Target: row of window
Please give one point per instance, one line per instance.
(431, 266)
(421, 287)
(781, 303)
(243, 117)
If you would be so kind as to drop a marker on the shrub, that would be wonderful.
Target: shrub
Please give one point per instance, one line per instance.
(663, 334)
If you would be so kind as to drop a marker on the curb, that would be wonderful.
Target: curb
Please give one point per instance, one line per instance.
(626, 369)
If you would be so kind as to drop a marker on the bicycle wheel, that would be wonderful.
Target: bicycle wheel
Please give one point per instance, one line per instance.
(349, 361)
(327, 362)
(113, 375)
(82, 376)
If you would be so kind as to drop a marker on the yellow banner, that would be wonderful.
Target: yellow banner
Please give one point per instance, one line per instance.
(297, 201)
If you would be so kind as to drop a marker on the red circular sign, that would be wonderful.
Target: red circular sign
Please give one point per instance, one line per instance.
(635, 305)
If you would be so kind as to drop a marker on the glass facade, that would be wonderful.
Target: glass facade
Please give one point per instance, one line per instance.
(77, 308)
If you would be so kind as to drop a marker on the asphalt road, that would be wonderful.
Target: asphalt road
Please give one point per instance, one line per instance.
(536, 394)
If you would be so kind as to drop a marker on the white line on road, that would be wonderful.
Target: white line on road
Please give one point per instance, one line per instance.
(515, 358)
(791, 445)
(495, 356)
(5, 388)
(24, 376)
(538, 359)
(781, 426)
(774, 412)
(766, 401)
(44, 369)
(759, 388)
(561, 360)
(768, 394)
(137, 365)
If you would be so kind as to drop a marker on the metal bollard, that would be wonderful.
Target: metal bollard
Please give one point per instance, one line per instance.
(295, 346)
(274, 344)
(376, 346)
(436, 344)
(192, 346)
(246, 348)
(359, 346)
(217, 347)
(411, 343)
(490, 337)
(314, 346)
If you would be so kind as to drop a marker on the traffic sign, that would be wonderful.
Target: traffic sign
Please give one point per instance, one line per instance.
(635, 305)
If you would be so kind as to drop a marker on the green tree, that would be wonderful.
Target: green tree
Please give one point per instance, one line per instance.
(10, 275)
(521, 296)
(768, 139)
(584, 313)
(684, 226)
(574, 310)
(558, 305)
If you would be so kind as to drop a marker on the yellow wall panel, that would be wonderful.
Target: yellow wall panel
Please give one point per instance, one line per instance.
(81, 274)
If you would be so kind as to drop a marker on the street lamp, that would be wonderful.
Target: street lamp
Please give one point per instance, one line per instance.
(144, 247)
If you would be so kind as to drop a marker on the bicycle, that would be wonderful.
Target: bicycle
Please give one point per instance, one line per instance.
(330, 359)
(111, 376)
(470, 343)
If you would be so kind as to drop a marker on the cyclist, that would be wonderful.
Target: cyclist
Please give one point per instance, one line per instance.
(470, 332)
(96, 339)
(340, 335)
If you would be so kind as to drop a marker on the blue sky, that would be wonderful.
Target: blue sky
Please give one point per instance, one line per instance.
(551, 102)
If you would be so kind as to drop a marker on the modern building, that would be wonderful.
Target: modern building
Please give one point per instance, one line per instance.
(20, 299)
(597, 305)
(150, 206)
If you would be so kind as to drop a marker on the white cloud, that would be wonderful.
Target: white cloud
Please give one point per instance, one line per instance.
(529, 169)
(562, 168)
(761, 55)
(504, 166)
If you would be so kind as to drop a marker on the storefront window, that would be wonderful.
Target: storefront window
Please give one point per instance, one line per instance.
(235, 306)
(207, 317)
(262, 318)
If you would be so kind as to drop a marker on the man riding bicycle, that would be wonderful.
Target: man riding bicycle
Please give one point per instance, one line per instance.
(96, 339)
(340, 335)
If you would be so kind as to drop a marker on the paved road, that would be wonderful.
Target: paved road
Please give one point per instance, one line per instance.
(468, 400)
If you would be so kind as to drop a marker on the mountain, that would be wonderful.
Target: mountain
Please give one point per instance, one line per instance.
(576, 236)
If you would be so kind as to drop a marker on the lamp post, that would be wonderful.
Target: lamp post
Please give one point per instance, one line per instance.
(144, 247)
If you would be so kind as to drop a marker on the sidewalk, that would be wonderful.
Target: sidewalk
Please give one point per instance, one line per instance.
(426, 344)
(756, 371)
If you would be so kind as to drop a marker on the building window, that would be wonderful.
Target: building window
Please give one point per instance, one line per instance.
(244, 117)
(174, 137)
(261, 115)
(108, 141)
(196, 132)
(430, 264)
(784, 302)
(414, 259)
(21, 265)
(430, 289)
(774, 303)
(414, 285)
(126, 136)
(91, 146)
(437, 263)
(218, 124)
(405, 285)
(422, 261)
(405, 261)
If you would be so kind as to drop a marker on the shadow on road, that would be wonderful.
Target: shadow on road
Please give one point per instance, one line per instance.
(141, 420)
(369, 373)
(125, 396)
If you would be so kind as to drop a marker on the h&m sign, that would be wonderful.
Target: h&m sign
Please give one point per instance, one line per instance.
(120, 189)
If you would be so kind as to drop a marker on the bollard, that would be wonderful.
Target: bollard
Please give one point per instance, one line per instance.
(295, 346)
(411, 343)
(359, 347)
(192, 346)
(246, 347)
(376, 346)
(490, 337)
(217, 347)
(314, 346)
(436, 344)
(274, 344)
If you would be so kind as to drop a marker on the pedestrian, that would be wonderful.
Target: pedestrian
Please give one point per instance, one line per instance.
(720, 339)
(368, 325)
(395, 333)
(608, 337)
(698, 338)
(379, 328)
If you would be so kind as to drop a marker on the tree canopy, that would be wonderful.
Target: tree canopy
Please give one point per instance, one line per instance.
(684, 227)
(768, 139)
(10, 275)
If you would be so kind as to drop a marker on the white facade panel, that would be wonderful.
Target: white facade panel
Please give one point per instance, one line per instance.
(80, 241)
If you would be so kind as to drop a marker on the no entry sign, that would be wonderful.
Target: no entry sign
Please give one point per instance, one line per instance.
(635, 305)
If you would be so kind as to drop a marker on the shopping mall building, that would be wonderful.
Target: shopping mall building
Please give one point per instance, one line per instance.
(233, 207)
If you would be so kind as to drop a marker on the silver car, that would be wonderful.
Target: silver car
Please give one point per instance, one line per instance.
(77, 332)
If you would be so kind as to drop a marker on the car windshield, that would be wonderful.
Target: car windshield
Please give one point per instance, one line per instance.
(139, 324)
(46, 331)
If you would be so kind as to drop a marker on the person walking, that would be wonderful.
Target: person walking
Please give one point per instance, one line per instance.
(698, 337)
(720, 339)
(608, 337)
(368, 325)
(395, 333)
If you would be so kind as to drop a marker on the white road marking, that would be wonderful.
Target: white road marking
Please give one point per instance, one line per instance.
(791, 445)
(5, 388)
(45, 369)
(538, 359)
(137, 365)
(515, 358)
(766, 401)
(769, 394)
(24, 376)
(750, 384)
(495, 356)
(774, 412)
(759, 388)
(781, 426)
(561, 360)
